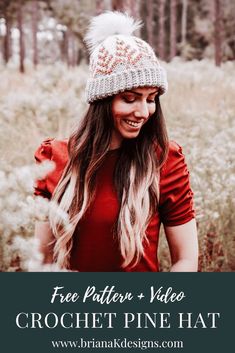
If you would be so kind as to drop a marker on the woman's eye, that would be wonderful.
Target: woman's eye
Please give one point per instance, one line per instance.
(133, 99)
(128, 100)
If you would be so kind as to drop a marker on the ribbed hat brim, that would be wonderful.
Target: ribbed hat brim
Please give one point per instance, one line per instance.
(108, 85)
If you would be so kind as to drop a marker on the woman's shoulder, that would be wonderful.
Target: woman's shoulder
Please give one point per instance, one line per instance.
(174, 149)
(175, 157)
(52, 149)
(176, 196)
(56, 151)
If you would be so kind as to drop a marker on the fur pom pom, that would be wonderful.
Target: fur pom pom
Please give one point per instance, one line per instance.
(108, 24)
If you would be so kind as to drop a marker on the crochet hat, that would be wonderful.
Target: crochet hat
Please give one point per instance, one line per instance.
(118, 60)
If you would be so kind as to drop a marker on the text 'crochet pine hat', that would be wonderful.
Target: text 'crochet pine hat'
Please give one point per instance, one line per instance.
(118, 60)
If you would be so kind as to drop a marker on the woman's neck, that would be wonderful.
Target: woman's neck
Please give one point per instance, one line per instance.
(116, 141)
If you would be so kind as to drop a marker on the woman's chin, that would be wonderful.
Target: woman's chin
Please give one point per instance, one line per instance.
(130, 135)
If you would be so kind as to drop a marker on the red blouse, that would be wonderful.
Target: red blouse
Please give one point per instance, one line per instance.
(94, 246)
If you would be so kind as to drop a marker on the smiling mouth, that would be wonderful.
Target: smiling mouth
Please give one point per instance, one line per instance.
(133, 123)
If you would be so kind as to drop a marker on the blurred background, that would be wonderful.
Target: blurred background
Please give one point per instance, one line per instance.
(43, 71)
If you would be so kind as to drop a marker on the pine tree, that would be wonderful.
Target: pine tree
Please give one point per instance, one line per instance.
(21, 35)
(173, 33)
(218, 33)
(161, 37)
(34, 8)
(184, 22)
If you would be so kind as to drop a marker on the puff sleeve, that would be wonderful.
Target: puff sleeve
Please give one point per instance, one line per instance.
(176, 197)
(56, 151)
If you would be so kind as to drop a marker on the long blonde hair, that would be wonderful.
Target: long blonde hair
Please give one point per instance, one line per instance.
(136, 179)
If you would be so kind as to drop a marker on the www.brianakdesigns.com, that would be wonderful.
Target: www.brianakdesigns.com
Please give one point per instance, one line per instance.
(117, 343)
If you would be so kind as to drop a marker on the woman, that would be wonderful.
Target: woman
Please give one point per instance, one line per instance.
(118, 178)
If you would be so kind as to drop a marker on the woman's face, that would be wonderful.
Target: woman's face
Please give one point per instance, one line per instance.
(131, 110)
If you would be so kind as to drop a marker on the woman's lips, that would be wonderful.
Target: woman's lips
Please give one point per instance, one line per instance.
(132, 123)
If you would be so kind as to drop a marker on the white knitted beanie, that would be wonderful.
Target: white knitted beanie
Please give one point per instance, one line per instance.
(118, 60)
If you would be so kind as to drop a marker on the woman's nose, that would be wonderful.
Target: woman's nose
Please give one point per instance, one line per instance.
(142, 110)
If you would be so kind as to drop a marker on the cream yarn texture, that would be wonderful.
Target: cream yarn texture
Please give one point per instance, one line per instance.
(120, 61)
